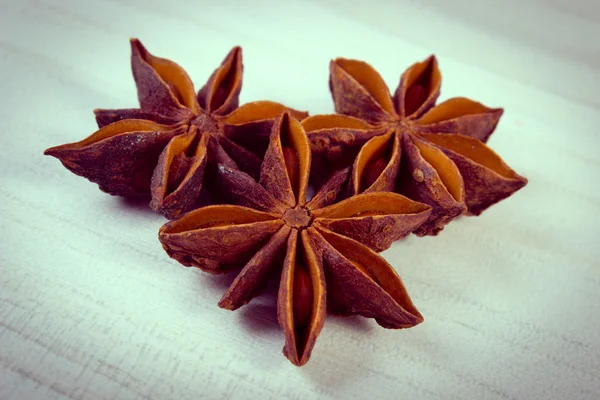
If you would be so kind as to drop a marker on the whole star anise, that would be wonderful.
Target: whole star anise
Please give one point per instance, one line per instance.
(432, 154)
(324, 253)
(162, 148)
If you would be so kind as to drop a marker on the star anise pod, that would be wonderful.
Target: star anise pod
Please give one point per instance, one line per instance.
(324, 253)
(432, 154)
(162, 148)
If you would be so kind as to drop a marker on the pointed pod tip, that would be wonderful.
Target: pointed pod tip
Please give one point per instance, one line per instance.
(524, 181)
(293, 357)
(301, 362)
(418, 316)
(431, 60)
(282, 118)
(55, 151)
(418, 320)
(335, 63)
(165, 230)
(135, 43)
(226, 304)
(137, 48)
(161, 231)
(234, 54)
(519, 182)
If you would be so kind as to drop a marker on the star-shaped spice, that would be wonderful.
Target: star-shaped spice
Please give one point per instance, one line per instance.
(432, 154)
(323, 253)
(163, 147)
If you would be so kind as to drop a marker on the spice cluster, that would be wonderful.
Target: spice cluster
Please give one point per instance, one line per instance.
(235, 181)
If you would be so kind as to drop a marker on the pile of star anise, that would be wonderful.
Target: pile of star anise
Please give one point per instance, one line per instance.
(236, 181)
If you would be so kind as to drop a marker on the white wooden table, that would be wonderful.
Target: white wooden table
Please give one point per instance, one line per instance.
(92, 308)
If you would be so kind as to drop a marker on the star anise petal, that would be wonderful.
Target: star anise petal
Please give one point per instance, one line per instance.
(487, 178)
(163, 85)
(361, 282)
(245, 191)
(374, 219)
(429, 176)
(119, 157)
(178, 176)
(220, 95)
(359, 91)
(302, 301)
(218, 238)
(287, 134)
(244, 159)
(330, 191)
(108, 116)
(256, 273)
(418, 89)
(461, 115)
(376, 167)
(331, 135)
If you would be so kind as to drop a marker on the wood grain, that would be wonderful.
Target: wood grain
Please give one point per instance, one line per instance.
(92, 308)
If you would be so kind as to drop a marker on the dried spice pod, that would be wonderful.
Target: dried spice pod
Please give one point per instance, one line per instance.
(119, 157)
(324, 253)
(432, 154)
(163, 148)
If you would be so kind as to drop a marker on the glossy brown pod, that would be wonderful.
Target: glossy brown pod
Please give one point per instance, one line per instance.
(275, 233)
(129, 157)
